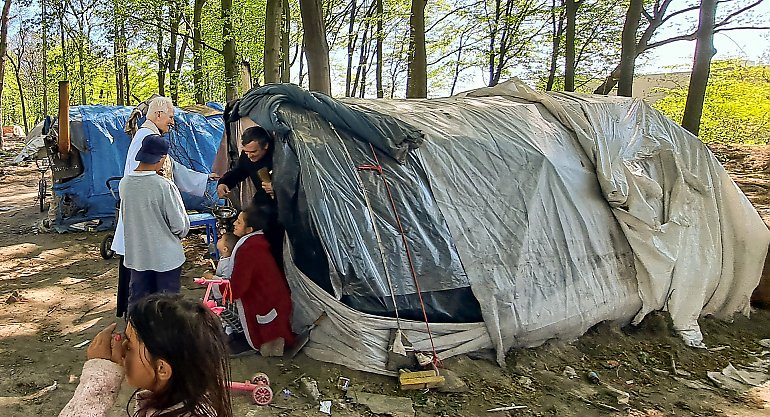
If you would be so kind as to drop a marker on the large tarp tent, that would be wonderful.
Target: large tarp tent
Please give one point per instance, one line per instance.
(521, 216)
(97, 132)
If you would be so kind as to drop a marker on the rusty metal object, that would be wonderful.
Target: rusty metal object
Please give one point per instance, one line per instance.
(64, 143)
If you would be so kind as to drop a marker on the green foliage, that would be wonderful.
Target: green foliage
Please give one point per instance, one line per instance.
(737, 104)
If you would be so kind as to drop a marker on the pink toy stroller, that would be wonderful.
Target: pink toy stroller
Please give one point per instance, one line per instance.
(259, 384)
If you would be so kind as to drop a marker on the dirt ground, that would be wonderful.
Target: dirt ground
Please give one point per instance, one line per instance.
(56, 292)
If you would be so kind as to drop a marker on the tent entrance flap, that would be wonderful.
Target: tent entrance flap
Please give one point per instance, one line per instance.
(324, 210)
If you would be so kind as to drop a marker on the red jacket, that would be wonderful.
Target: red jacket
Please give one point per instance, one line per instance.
(261, 293)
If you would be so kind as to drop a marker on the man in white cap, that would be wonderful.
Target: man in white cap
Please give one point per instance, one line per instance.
(160, 120)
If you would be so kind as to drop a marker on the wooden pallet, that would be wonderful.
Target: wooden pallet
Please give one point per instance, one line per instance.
(420, 380)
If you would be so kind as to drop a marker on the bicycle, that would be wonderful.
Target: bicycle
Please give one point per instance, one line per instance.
(43, 165)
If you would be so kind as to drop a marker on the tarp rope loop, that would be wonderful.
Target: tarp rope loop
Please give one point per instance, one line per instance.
(378, 168)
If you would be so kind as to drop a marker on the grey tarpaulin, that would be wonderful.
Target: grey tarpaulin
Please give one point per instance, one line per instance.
(558, 212)
(388, 134)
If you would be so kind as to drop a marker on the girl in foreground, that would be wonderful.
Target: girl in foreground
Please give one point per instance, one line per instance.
(173, 352)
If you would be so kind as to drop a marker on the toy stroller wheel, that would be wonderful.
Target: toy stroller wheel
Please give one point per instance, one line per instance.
(262, 395)
(260, 377)
(105, 248)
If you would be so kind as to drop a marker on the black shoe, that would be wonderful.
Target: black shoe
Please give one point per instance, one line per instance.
(238, 346)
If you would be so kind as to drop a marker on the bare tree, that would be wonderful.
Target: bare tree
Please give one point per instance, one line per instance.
(44, 15)
(231, 72)
(509, 34)
(699, 78)
(272, 55)
(316, 46)
(380, 62)
(628, 48)
(285, 44)
(198, 51)
(15, 61)
(557, 25)
(660, 15)
(3, 52)
(572, 7)
(417, 71)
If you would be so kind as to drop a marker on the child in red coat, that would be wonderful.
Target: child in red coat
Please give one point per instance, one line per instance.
(260, 291)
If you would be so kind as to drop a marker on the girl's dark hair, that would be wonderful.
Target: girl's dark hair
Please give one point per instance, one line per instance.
(256, 134)
(190, 338)
(259, 217)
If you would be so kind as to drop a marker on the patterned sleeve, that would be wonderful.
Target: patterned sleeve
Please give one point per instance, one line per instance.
(97, 391)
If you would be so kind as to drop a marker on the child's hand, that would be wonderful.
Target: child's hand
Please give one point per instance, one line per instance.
(106, 345)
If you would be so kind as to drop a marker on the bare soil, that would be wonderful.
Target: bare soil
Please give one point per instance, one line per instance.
(56, 292)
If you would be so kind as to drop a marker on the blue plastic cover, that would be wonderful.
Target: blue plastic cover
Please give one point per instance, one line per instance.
(97, 132)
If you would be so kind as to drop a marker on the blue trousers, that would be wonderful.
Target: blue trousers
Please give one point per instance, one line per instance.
(144, 283)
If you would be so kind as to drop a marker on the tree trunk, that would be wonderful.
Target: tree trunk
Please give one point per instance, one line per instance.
(492, 42)
(363, 58)
(417, 70)
(123, 50)
(198, 52)
(352, 38)
(285, 36)
(63, 43)
(3, 51)
(117, 58)
(557, 23)
(316, 46)
(701, 68)
(45, 57)
(628, 48)
(272, 55)
(231, 74)
(569, 47)
(641, 47)
(161, 58)
(380, 61)
(457, 64)
(175, 15)
(301, 63)
(81, 68)
(16, 69)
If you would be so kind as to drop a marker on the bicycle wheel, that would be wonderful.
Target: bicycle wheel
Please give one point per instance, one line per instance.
(105, 248)
(42, 186)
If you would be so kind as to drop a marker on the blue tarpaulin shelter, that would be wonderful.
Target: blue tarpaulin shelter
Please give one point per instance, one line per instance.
(97, 133)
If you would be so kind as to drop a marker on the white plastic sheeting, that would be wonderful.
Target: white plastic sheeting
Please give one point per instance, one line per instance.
(566, 211)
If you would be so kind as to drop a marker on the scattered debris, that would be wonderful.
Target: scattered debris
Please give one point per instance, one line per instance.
(513, 407)
(343, 383)
(718, 348)
(325, 407)
(593, 377)
(764, 343)
(383, 404)
(736, 380)
(452, 382)
(569, 372)
(81, 344)
(622, 396)
(697, 385)
(15, 297)
(309, 388)
(596, 404)
(9, 401)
